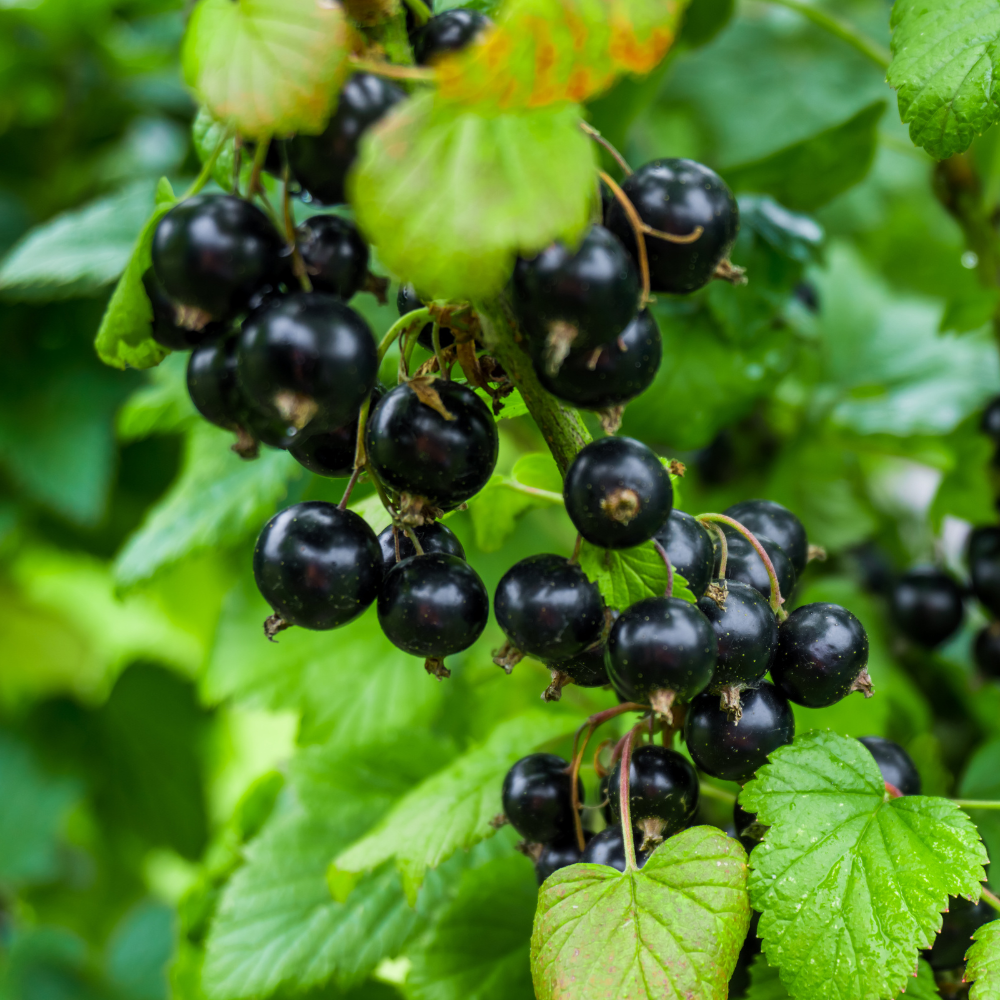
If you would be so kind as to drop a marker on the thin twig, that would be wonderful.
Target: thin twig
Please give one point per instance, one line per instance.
(711, 792)
(206, 170)
(841, 29)
(977, 803)
(636, 223)
(259, 156)
(576, 548)
(991, 899)
(670, 568)
(400, 327)
(349, 488)
(436, 341)
(631, 865)
(597, 137)
(393, 71)
(723, 548)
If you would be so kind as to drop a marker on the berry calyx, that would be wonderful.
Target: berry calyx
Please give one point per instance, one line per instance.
(661, 650)
(548, 608)
(330, 451)
(608, 848)
(433, 537)
(734, 750)
(416, 450)
(770, 519)
(662, 790)
(927, 606)
(448, 32)
(689, 547)
(678, 196)
(617, 493)
(334, 254)
(406, 301)
(744, 564)
(537, 798)
(986, 649)
(552, 857)
(318, 566)
(983, 553)
(822, 655)
(894, 763)
(321, 162)
(165, 329)
(211, 253)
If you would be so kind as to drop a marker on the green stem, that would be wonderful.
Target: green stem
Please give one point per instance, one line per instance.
(259, 156)
(991, 899)
(719, 794)
(401, 325)
(421, 12)
(206, 170)
(436, 341)
(624, 806)
(841, 29)
(534, 491)
(977, 803)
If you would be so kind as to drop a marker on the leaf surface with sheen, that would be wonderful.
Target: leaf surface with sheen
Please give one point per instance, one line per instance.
(982, 967)
(625, 576)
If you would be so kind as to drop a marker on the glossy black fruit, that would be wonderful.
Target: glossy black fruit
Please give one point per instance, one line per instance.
(433, 537)
(747, 828)
(406, 301)
(745, 565)
(449, 32)
(213, 386)
(166, 330)
(330, 451)
(318, 566)
(765, 517)
(822, 655)
(983, 553)
(927, 605)
(895, 763)
(608, 848)
(576, 298)
(552, 857)
(986, 650)
(586, 669)
(747, 632)
(610, 375)
(307, 358)
(537, 798)
(676, 196)
(415, 450)
(617, 493)
(548, 608)
(334, 254)
(662, 791)
(212, 252)
(661, 644)
(958, 924)
(734, 750)
(689, 546)
(321, 162)
(990, 421)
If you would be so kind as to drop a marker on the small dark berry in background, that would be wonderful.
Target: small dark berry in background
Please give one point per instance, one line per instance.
(983, 554)
(765, 517)
(448, 32)
(334, 254)
(608, 848)
(927, 606)
(537, 798)
(689, 548)
(895, 763)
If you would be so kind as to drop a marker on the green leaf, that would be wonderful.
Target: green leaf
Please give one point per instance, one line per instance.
(703, 20)
(125, 336)
(538, 469)
(269, 67)
(944, 64)
(450, 197)
(812, 172)
(162, 406)
(452, 808)
(78, 252)
(139, 950)
(218, 499)
(966, 490)
(206, 134)
(766, 984)
(625, 576)
(851, 885)
(496, 507)
(982, 967)
(673, 929)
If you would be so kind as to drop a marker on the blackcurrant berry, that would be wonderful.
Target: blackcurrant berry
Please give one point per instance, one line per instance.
(927, 605)
(330, 451)
(765, 517)
(990, 422)
(318, 566)
(745, 565)
(822, 655)
(213, 386)
(415, 450)
(895, 763)
(689, 547)
(961, 920)
(552, 857)
(548, 608)
(586, 669)
(307, 357)
(537, 798)
(734, 750)
(662, 792)
(166, 330)
(433, 605)
(617, 493)
(406, 301)
(611, 375)
(334, 254)
(449, 32)
(984, 566)
(747, 828)
(211, 253)
(433, 537)
(986, 650)
(321, 162)
(576, 298)
(608, 848)
(659, 650)
(676, 196)
(747, 632)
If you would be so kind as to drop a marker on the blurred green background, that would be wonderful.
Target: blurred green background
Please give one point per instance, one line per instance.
(147, 730)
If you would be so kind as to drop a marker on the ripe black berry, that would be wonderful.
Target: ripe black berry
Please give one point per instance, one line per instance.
(986, 650)
(765, 517)
(608, 848)
(662, 792)
(822, 655)
(213, 387)
(433, 537)
(330, 451)
(734, 750)
(406, 301)
(415, 450)
(449, 32)
(895, 763)
(552, 857)
(747, 828)
(596, 378)
(318, 566)
(661, 649)
(211, 253)
(537, 798)
(676, 196)
(548, 608)
(747, 633)
(961, 920)
(307, 357)
(689, 547)
(745, 565)
(433, 605)
(927, 605)
(166, 330)
(321, 162)
(617, 493)
(574, 299)
(334, 254)
(984, 566)
(990, 422)
(586, 669)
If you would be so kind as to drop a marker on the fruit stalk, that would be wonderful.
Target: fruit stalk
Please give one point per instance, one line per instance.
(631, 865)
